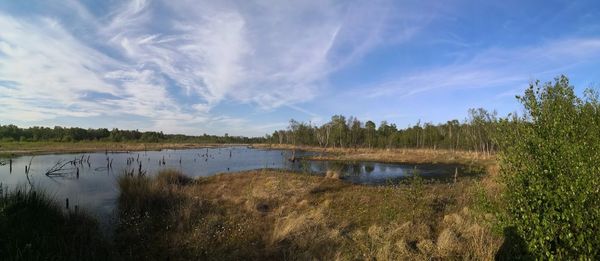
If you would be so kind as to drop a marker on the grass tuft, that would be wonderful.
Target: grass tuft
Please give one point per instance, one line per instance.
(270, 214)
(34, 227)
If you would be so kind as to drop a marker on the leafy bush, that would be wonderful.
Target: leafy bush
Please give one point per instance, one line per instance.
(549, 162)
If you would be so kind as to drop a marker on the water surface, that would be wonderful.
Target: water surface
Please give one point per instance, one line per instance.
(95, 187)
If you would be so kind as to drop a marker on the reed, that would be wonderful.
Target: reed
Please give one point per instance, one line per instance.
(34, 227)
(413, 156)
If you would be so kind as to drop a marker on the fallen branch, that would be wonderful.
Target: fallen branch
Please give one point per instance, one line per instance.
(59, 168)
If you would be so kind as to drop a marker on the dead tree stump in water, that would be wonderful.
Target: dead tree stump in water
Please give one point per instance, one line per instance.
(455, 174)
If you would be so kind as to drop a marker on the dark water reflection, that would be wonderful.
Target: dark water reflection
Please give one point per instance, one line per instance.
(374, 173)
(95, 188)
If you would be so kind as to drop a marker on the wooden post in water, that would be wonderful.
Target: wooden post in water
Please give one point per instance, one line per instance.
(67, 203)
(455, 174)
(26, 169)
(10, 165)
(77, 173)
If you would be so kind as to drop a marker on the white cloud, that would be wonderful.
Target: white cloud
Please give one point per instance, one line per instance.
(494, 67)
(268, 53)
(48, 67)
(54, 74)
(173, 62)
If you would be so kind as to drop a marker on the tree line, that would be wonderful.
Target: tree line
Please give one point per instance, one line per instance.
(11, 132)
(476, 133)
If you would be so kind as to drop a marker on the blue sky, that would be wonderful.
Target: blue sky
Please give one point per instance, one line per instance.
(247, 67)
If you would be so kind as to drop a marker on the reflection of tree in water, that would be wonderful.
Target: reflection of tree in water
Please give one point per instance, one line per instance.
(356, 168)
(383, 167)
(369, 168)
(337, 166)
(305, 166)
(320, 166)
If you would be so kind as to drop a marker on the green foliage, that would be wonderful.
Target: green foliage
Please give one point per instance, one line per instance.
(549, 161)
(9, 133)
(476, 133)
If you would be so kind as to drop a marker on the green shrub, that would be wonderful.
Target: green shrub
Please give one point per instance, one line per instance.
(549, 162)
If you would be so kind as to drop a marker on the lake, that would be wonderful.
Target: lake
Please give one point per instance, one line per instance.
(91, 183)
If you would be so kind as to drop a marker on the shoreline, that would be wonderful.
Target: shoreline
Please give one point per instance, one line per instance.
(16, 149)
(397, 156)
(376, 155)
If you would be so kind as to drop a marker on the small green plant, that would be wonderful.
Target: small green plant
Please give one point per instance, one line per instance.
(549, 162)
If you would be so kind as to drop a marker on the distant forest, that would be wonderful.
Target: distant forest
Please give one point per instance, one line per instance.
(476, 133)
(62, 134)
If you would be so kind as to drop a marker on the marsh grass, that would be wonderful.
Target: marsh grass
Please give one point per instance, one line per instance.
(412, 156)
(34, 227)
(15, 148)
(270, 214)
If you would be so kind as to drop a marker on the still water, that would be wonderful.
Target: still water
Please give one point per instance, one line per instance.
(91, 183)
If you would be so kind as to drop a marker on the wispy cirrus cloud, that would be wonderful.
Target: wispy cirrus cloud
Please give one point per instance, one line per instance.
(173, 62)
(49, 70)
(494, 67)
(221, 66)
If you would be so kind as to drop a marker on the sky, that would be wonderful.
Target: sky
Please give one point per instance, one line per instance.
(248, 67)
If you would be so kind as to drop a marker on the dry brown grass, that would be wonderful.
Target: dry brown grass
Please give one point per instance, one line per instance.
(270, 214)
(414, 156)
(31, 148)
